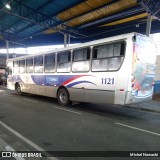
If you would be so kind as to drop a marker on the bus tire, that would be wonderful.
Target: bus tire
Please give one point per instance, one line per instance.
(63, 97)
(18, 89)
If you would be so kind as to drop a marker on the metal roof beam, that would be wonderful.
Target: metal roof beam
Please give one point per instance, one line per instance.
(156, 13)
(96, 9)
(37, 10)
(144, 6)
(152, 6)
(8, 35)
(36, 17)
(73, 30)
(113, 17)
(66, 28)
(73, 5)
(30, 15)
(63, 23)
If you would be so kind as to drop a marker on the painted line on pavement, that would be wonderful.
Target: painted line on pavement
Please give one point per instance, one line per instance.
(139, 129)
(67, 110)
(27, 141)
(30, 100)
(5, 147)
(7, 95)
(10, 149)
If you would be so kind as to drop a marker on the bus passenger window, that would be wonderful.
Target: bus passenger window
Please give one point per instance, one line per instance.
(9, 70)
(22, 66)
(38, 64)
(99, 64)
(16, 67)
(81, 60)
(64, 61)
(29, 65)
(108, 57)
(115, 63)
(49, 63)
(119, 49)
(105, 51)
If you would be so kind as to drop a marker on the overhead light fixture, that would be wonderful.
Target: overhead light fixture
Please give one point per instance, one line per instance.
(8, 6)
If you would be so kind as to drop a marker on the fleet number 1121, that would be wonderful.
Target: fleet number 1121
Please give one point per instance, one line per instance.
(107, 80)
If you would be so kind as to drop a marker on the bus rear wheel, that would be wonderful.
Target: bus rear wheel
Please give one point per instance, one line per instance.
(18, 89)
(63, 97)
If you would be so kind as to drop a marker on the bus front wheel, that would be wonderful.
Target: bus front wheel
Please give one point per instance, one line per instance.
(63, 97)
(18, 89)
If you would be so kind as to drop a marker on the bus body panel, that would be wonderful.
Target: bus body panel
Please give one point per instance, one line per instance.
(77, 94)
(113, 87)
(123, 75)
(141, 79)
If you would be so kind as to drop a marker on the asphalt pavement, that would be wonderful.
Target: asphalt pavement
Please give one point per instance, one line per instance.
(36, 123)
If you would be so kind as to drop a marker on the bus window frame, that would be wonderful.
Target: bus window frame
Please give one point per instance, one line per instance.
(119, 41)
(24, 66)
(10, 68)
(33, 65)
(16, 66)
(36, 66)
(55, 60)
(90, 57)
(57, 63)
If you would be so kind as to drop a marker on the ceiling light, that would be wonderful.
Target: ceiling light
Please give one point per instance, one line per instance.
(8, 6)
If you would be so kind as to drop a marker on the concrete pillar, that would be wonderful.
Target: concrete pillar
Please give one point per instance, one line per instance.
(69, 39)
(65, 40)
(7, 47)
(148, 27)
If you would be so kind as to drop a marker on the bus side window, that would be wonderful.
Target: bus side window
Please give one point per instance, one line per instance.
(49, 63)
(81, 60)
(38, 64)
(108, 57)
(9, 71)
(29, 65)
(114, 63)
(119, 49)
(22, 66)
(16, 67)
(64, 61)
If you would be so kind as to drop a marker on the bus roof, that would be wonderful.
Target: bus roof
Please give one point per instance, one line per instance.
(108, 39)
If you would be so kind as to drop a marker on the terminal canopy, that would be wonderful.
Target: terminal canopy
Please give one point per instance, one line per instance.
(45, 22)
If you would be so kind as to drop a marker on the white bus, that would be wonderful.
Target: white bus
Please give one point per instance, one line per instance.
(116, 70)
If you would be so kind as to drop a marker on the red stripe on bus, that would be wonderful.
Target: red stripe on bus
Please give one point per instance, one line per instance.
(71, 79)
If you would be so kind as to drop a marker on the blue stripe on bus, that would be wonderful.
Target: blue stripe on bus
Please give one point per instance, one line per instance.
(15, 78)
(50, 80)
(79, 82)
